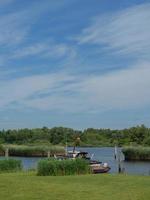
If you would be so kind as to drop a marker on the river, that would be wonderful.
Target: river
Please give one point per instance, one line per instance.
(104, 154)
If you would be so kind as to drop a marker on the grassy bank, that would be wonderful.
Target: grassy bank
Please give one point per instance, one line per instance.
(30, 151)
(137, 153)
(23, 186)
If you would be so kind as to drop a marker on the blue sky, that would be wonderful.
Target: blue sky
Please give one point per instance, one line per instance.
(74, 63)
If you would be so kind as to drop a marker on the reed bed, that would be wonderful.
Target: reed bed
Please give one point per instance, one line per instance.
(10, 165)
(52, 167)
(30, 151)
(2, 150)
(137, 153)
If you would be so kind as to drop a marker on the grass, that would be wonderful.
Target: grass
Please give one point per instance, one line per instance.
(136, 153)
(28, 186)
(34, 150)
(52, 167)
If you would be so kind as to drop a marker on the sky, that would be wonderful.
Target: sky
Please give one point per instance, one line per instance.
(74, 63)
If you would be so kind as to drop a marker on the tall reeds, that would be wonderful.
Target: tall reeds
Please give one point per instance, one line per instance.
(137, 153)
(36, 151)
(10, 165)
(52, 167)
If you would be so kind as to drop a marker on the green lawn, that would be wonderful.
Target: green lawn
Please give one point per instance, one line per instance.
(28, 186)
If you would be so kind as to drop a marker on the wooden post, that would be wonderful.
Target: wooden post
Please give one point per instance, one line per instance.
(6, 152)
(120, 163)
(48, 154)
(115, 152)
(66, 149)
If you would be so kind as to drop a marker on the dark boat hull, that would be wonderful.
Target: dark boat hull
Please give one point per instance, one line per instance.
(101, 170)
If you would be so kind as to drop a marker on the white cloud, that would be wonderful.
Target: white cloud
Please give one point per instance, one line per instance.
(16, 31)
(22, 88)
(12, 29)
(15, 25)
(45, 49)
(126, 32)
(122, 89)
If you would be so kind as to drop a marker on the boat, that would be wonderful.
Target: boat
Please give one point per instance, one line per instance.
(96, 166)
(100, 168)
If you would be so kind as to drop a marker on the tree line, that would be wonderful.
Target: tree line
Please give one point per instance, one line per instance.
(139, 135)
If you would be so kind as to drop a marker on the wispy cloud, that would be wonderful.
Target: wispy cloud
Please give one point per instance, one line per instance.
(70, 93)
(15, 25)
(22, 88)
(16, 33)
(74, 89)
(118, 90)
(13, 30)
(126, 32)
(44, 49)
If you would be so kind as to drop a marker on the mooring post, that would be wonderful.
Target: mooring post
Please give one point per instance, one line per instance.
(115, 152)
(48, 154)
(66, 149)
(121, 169)
(6, 152)
(119, 163)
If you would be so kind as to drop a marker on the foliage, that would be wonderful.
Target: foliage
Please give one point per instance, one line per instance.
(137, 153)
(52, 167)
(139, 135)
(9, 165)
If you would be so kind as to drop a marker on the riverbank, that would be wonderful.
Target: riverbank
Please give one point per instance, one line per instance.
(32, 150)
(28, 186)
(136, 153)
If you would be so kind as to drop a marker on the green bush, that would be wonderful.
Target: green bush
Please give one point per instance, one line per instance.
(52, 167)
(9, 165)
(137, 153)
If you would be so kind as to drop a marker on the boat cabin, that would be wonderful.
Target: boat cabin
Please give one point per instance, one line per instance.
(78, 154)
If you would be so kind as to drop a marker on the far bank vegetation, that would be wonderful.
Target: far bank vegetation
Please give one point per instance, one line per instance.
(139, 135)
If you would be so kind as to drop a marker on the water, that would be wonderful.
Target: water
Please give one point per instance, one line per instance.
(105, 154)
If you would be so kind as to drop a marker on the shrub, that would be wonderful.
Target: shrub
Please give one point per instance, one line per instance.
(53, 167)
(10, 165)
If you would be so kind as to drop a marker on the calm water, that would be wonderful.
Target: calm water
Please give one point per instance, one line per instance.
(105, 154)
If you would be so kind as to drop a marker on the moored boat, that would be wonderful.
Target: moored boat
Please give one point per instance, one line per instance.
(96, 166)
(100, 168)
